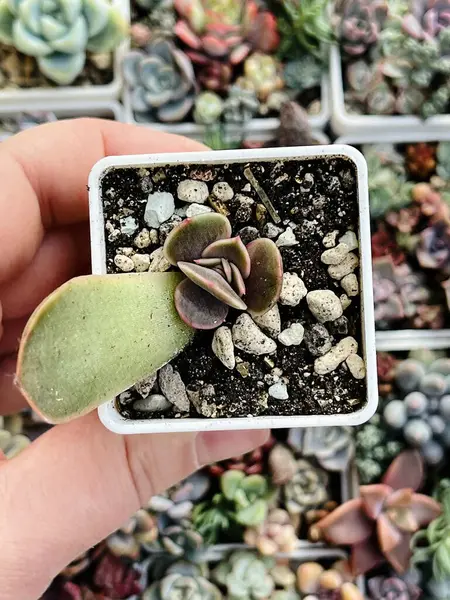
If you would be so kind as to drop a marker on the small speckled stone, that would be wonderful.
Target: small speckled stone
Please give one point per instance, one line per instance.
(247, 336)
(141, 262)
(279, 391)
(356, 366)
(154, 403)
(223, 191)
(271, 231)
(145, 386)
(158, 262)
(248, 234)
(324, 305)
(349, 264)
(350, 284)
(191, 190)
(124, 263)
(126, 251)
(329, 241)
(173, 388)
(270, 322)
(128, 225)
(222, 346)
(160, 207)
(349, 238)
(335, 255)
(167, 227)
(293, 335)
(287, 239)
(197, 209)
(317, 339)
(337, 355)
(345, 301)
(244, 212)
(293, 289)
(142, 240)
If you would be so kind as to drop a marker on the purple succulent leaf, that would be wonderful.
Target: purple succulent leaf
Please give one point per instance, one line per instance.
(233, 250)
(227, 270)
(220, 271)
(208, 262)
(198, 308)
(212, 282)
(238, 280)
(189, 239)
(266, 276)
(412, 27)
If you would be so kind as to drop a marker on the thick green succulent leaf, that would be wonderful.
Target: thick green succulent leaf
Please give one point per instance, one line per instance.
(233, 250)
(28, 43)
(96, 336)
(252, 515)
(63, 69)
(30, 15)
(111, 35)
(6, 24)
(188, 240)
(212, 282)
(97, 15)
(198, 308)
(74, 40)
(70, 9)
(52, 29)
(266, 277)
(230, 483)
(255, 486)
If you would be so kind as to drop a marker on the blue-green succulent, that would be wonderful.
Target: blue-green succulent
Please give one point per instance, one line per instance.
(58, 33)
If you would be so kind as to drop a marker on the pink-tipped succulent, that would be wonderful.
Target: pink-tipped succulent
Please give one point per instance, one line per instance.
(221, 272)
(380, 523)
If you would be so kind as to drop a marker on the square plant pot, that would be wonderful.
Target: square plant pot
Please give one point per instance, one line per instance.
(304, 198)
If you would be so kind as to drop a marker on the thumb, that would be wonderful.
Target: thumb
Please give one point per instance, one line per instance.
(79, 482)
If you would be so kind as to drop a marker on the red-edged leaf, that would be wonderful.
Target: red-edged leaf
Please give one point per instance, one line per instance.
(365, 556)
(373, 497)
(266, 276)
(227, 270)
(347, 525)
(212, 282)
(208, 262)
(400, 556)
(233, 250)
(406, 471)
(389, 536)
(238, 281)
(197, 308)
(424, 509)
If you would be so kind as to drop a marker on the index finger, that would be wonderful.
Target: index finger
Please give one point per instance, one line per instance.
(44, 173)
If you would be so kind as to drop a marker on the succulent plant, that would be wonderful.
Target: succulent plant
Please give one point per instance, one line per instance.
(249, 494)
(433, 250)
(282, 464)
(214, 75)
(24, 121)
(420, 159)
(443, 161)
(115, 578)
(141, 529)
(307, 489)
(161, 81)
(220, 271)
(379, 524)
(59, 33)
(241, 105)
(182, 582)
(332, 447)
(303, 74)
(428, 19)
(360, 22)
(251, 463)
(392, 588)
(227, 30)
(245, 576)
(12, 440)
(262, 75)
(275, 534)
(181, 541)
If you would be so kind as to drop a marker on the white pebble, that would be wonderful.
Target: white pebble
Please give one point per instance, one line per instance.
(324, 305)
(247, 336)
(270, 322)
(124, 263)
(293, 335)
(349, 264)
(159, 208)
(142, 240)
(128, 225)
(334, 357)
(349, 238)
(126, 251)
(141, 262)
(154, 403)
(158, 262)
(279, 391)
(356, 366)
(350, 284)
(145, 386)
(272, 231)
(330, 239)
(197, 209)
(345, 301)
(293, 289)
(222, 346)
(335, 255)
(223, 191)
(191, 190)
(287, 238)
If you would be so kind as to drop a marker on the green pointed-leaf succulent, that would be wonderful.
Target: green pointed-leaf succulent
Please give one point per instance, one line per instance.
(222, 271)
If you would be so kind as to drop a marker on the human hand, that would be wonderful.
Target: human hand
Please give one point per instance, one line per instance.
(78, 482)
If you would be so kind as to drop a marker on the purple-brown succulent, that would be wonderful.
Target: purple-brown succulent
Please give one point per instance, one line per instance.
(221, 272)
(433, 250)
(361, 22)
(379, 524)
(428, 19)
(392, 588)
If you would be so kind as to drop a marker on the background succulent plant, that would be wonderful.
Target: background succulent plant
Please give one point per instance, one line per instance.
(245, 576)
(333, 447)
(59, 33)
(182, 582)
(360, 22)
(275, 534)
(161, 80)
(220, 271)
(307, 489)
(12, 440)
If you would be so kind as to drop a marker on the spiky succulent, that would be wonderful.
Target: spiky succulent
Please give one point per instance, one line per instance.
(60, 32)
(220, 271)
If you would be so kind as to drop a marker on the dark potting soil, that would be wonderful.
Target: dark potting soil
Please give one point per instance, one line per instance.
(314, 207)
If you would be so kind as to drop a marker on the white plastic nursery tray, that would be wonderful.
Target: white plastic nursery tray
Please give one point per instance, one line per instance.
(344, 123)
(45, 97)
(255, 126)
(108, 412)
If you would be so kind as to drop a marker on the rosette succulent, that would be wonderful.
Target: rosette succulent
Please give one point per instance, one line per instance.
(392, 588)
(307, 489)
(360, 24)
(245, 576)
(333, 447)
(220, 271)
(276, 534)
(433, 250)
(182, 582)
(161, 81)
(58, 33)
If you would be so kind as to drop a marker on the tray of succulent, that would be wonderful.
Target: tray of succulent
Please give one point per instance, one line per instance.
(390, 69)
(82, 65)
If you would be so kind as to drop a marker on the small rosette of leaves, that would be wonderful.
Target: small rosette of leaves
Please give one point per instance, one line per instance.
(221, 272)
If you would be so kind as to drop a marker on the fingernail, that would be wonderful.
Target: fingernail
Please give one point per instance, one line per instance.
(213, 446)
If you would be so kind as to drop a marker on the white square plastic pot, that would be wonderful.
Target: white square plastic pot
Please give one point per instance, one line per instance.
(108, 412)
(344, 123)
(44, 98)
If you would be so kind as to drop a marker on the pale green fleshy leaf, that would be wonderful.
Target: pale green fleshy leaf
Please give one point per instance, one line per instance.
(71, 10)
(27, 42)
(115, 32)
(52, 29)
(13, 5)
(75, 40)
(97, 15)
(63, 69)
(6, 23)
(49, 6)
(96, 336)
(30, 15)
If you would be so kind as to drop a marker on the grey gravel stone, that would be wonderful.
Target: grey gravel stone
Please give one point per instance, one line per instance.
(158, 262)
(128, 225)
(244, 211)
(191, 190)
(337, 355)
(293, 335)
(223, 191)
(154, 403)
(197, 209)
(292, 290)
(248, 234)
(329, 241)
(356, 366)
(271, 231)
(124, 263)
(349, 238)
(141, 262)
(247, 336)
(287, 239)
(324, 305)
(345, 301)
(167, 227)
(350, 284)
(142, 240)
(348, 265)
(279, 391)
(160, 207)
(173, 388)
(270, 322)
(202, 401)
(317, 339)
(145, 386)
(339, 326)
(222, 346)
